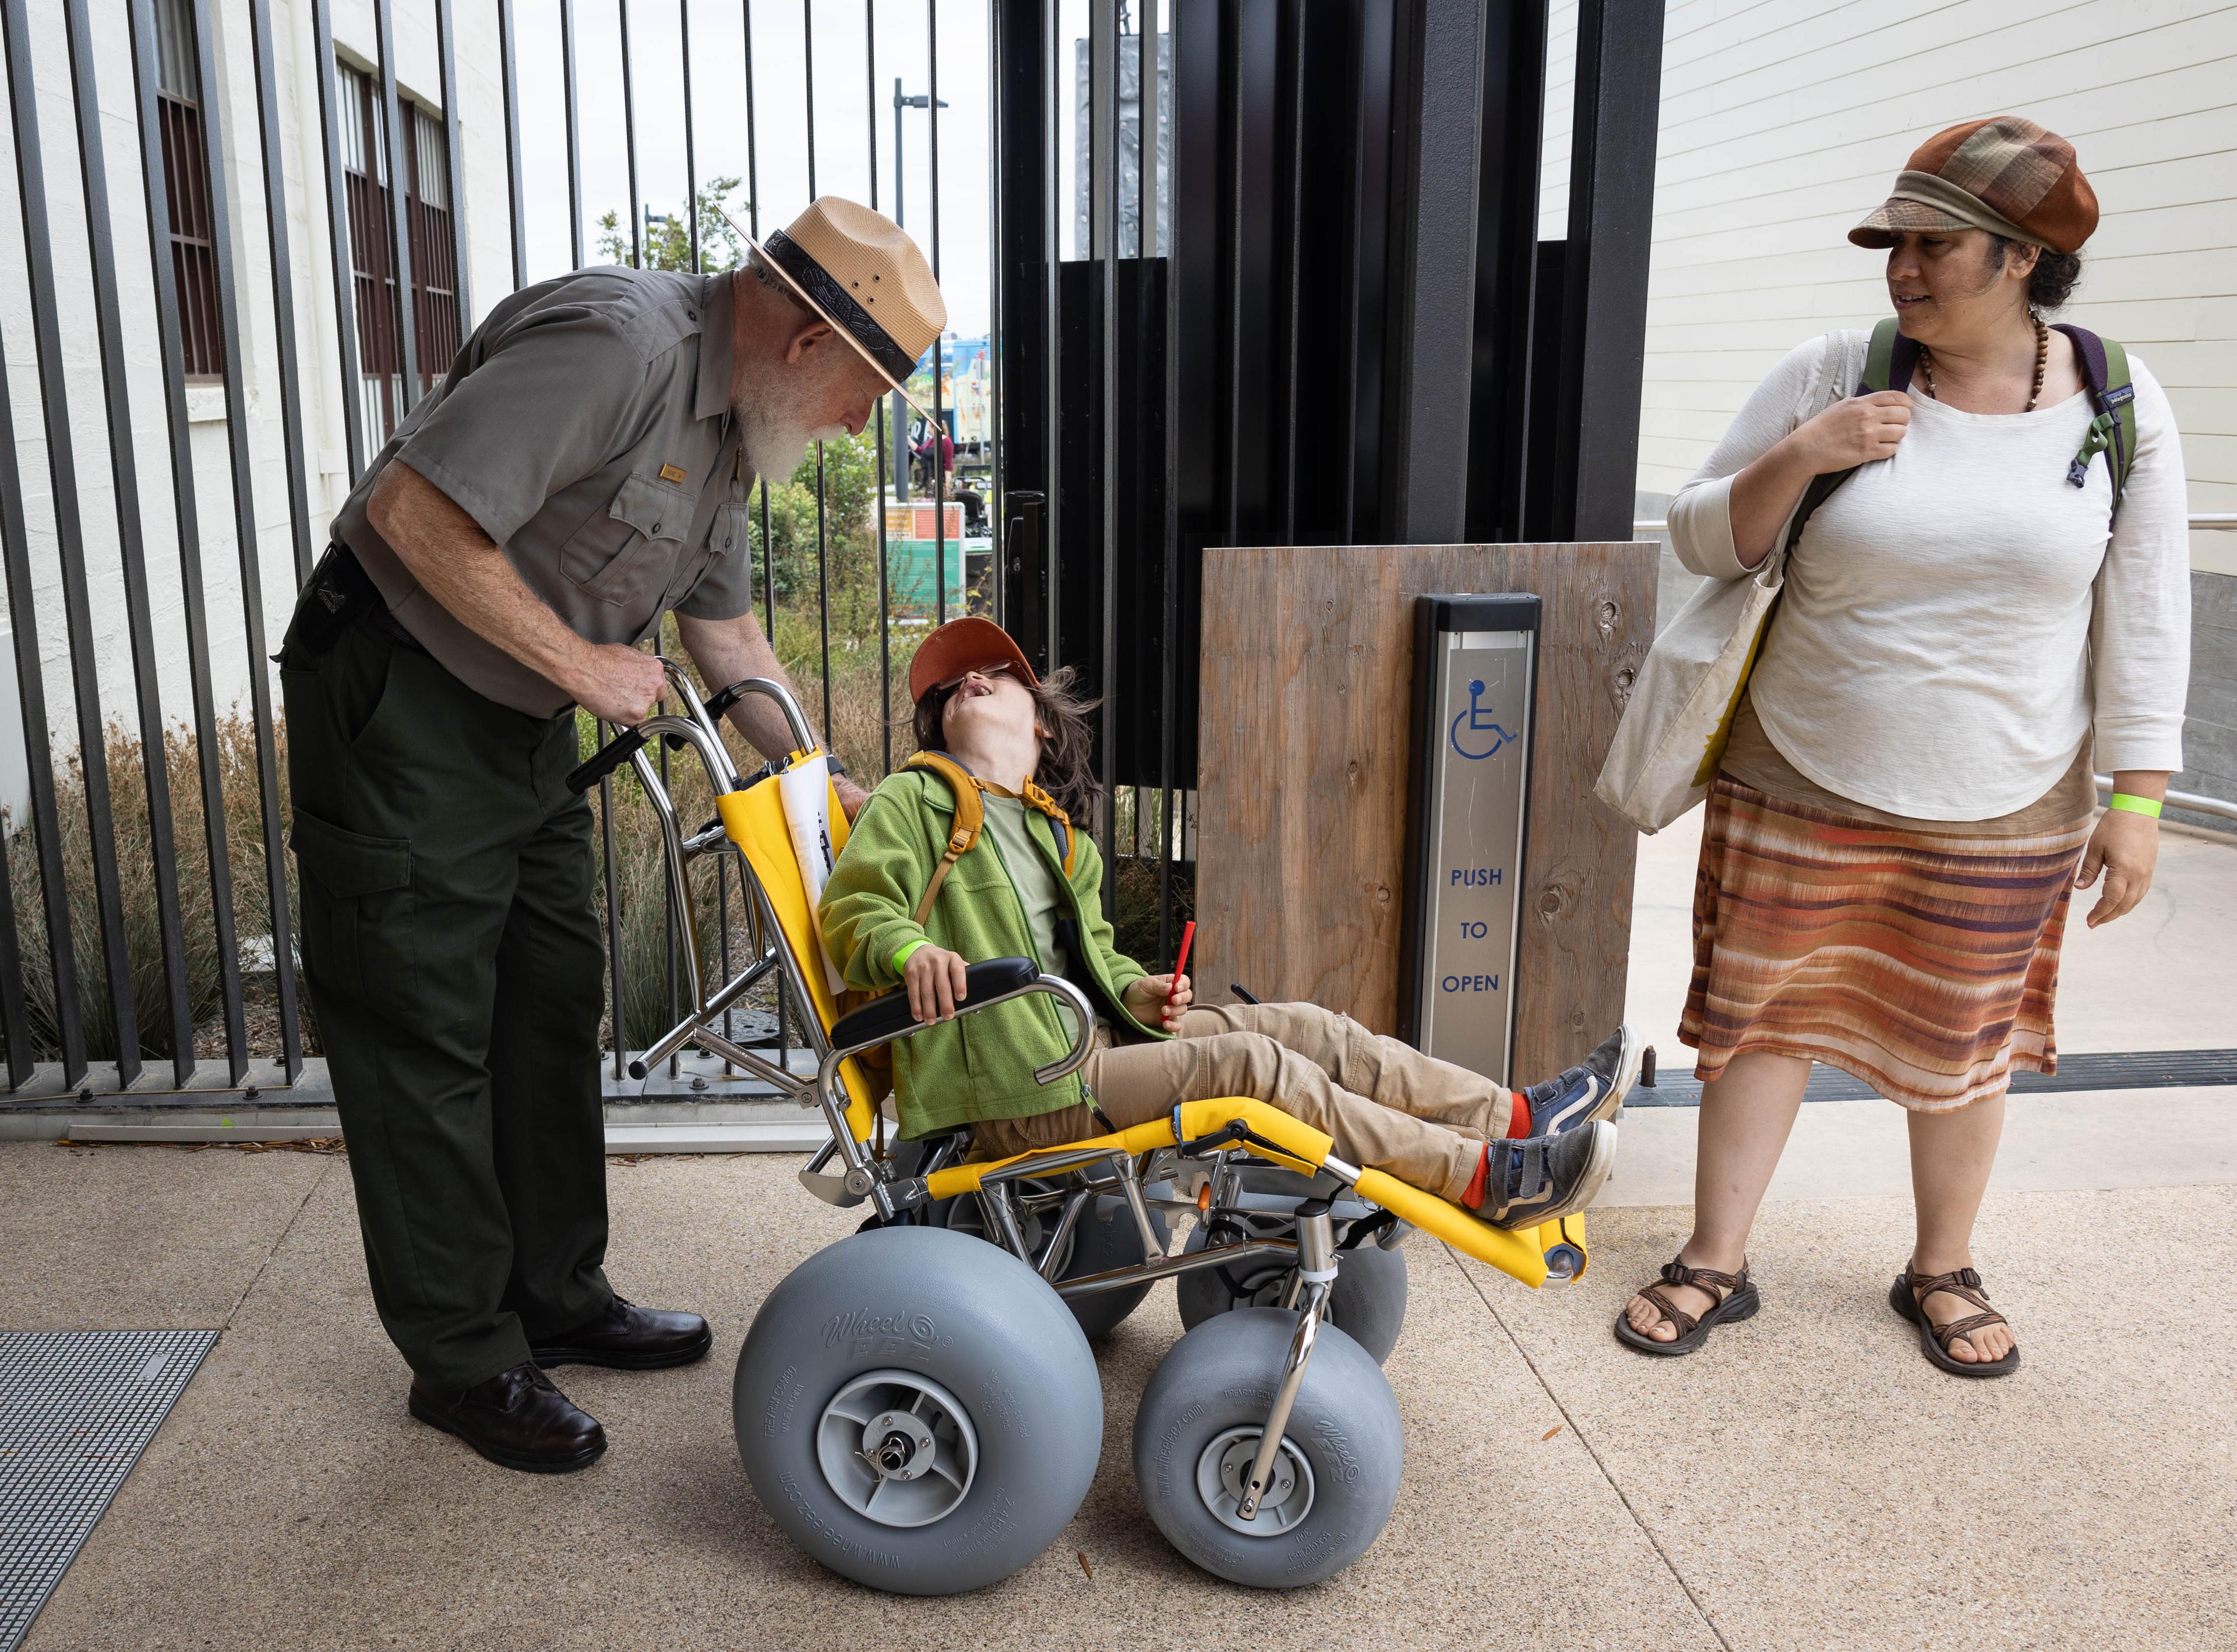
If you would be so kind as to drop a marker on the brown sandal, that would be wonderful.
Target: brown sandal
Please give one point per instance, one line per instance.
(1740, 1300)
(1908, 1298)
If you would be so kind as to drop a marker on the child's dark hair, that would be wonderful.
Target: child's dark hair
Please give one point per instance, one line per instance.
(1066, 770)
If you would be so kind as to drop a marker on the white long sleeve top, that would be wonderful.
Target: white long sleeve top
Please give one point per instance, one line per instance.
(1956, 617)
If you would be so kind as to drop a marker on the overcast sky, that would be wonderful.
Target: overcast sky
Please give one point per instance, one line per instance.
(845, 104)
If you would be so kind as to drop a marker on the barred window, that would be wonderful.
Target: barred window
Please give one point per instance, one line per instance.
(193, 251)
(425, 167)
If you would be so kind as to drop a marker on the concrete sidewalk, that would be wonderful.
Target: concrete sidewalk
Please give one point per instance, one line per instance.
(1807, 1481)
(1810, 1482)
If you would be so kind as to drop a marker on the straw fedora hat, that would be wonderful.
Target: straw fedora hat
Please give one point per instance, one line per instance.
(859, 270)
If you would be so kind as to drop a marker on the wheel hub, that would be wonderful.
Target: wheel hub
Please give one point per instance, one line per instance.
(897, 1448)
(898, 1445)
(1223, 1470)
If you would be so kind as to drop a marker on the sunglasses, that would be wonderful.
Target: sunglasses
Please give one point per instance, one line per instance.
(988, 671)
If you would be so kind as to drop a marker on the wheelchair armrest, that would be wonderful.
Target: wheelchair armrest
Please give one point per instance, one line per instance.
(887, 1018)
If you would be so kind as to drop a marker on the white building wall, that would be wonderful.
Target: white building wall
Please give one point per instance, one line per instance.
(230, 95)
(1783, 125)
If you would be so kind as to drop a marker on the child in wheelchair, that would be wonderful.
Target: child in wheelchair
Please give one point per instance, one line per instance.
(916, 895)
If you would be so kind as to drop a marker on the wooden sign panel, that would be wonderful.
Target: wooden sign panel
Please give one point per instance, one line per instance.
(1303, 776)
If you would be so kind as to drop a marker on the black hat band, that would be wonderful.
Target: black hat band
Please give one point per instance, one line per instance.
(839, 304)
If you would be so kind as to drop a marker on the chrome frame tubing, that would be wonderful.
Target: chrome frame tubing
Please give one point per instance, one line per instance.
(698, 731)
(1316, 1272)
(803, 737)
(862, 1177)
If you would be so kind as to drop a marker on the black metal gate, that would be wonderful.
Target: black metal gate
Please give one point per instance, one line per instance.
(1306, 305)
(1338, 327)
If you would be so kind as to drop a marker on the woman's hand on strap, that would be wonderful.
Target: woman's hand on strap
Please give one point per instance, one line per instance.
(1162, 1000)
(1854, 432)
(2125, 848)
(1845, 435)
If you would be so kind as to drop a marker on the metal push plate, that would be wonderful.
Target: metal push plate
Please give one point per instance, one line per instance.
(1484, 683)
(77, 1409)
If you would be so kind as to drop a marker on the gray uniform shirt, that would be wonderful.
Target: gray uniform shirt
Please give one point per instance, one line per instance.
(586, 426)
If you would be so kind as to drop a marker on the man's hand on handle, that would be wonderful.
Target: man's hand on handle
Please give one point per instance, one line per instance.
(617, 682)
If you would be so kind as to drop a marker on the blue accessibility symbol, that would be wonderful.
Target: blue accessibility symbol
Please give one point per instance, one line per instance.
(1474, 728)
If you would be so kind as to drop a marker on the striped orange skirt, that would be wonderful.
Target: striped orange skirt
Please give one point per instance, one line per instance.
(1924, 963)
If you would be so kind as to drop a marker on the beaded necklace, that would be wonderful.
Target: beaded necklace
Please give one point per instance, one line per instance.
(2042, 362)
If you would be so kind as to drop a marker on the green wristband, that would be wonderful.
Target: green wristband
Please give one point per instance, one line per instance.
(901, 953)
(2137, 805)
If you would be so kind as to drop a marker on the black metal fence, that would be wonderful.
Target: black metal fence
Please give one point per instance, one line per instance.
(146, 943)
(1306, 304)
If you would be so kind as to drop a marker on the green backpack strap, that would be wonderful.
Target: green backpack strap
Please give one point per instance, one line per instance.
(1880, 363)
(2111, 390)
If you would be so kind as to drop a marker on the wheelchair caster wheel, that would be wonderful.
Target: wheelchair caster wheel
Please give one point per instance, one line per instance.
(918, 1411)
(1369, 1303)
(1564, 1262)
(1336, 1476)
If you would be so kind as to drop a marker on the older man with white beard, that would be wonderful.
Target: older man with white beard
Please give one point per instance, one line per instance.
(583, 471)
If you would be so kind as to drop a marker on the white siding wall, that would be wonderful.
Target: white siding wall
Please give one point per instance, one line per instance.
(229, 94)
(1783, 123)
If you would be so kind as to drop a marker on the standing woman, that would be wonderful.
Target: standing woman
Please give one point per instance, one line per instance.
(1906, 804)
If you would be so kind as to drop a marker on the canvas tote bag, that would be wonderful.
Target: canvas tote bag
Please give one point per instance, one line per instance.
(1672, 734)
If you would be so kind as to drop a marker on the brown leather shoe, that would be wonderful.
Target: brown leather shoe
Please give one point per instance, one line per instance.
(517, 1419)
(629, 1337)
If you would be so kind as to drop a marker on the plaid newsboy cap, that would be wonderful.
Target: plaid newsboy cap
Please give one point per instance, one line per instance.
(2007, 176)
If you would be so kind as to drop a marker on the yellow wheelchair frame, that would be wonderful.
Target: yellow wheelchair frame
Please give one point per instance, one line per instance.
(1191, 1161)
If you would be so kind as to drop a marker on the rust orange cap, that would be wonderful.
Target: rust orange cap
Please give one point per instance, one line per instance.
(961, 646)
(2007, 176)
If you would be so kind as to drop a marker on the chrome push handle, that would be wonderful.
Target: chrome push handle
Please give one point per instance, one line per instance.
(699, 727)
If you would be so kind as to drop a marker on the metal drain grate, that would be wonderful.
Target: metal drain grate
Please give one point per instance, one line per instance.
(2118, 1070)
(77, 1409)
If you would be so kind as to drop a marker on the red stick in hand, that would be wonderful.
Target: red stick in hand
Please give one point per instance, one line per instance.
(1180, 963)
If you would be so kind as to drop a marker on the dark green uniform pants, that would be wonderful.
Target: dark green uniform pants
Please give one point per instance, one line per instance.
(454, 966)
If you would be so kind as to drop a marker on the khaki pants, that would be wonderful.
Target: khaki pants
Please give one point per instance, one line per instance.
(1389, 1106)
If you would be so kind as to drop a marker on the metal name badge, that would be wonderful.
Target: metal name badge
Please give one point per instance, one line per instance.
(1476, 686)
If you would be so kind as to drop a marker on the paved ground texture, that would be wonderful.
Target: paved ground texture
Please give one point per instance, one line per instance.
(1808, 1482)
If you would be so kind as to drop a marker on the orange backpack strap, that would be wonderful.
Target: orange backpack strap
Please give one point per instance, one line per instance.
(1059, 822)
(970, 819)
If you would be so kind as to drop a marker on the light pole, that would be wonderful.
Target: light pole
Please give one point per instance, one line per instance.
(922, 100)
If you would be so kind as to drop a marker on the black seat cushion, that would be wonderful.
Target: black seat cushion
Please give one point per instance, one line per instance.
(885, 1017)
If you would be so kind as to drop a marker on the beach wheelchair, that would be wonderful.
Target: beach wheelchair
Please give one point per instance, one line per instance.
(917, 1404)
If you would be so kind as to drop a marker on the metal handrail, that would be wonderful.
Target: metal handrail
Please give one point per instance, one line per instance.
(2196, 802)
(2202, 521)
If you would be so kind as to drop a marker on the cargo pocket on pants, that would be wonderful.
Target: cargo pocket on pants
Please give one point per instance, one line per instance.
(356, 913)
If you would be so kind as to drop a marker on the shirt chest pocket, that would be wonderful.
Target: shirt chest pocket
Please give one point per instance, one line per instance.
(627, 551)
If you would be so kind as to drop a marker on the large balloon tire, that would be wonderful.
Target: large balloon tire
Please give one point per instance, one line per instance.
(1344, 1449)
(978, 1331)
(1368, 1302)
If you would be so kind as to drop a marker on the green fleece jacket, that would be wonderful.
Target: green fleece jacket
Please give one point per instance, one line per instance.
(978, 1066)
